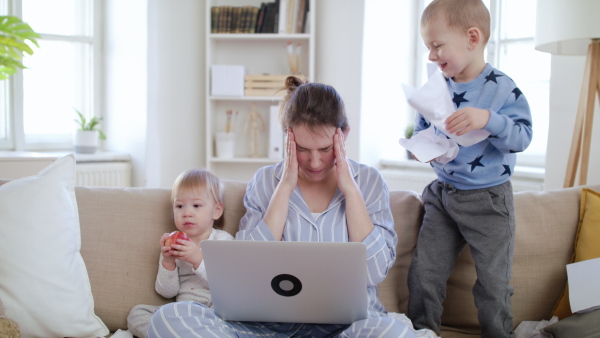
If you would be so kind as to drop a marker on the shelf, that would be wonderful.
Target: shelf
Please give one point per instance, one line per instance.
(246, 98)
(258, 36)
(258, 53)
(263, 160)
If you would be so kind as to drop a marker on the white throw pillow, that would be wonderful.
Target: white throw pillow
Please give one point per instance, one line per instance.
(43, 280)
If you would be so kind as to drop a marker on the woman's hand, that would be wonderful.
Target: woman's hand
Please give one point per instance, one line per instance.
(358, 220)
(344, 175)
(290, 170)
(277, 211)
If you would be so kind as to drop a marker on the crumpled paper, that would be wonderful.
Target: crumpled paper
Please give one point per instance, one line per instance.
(427, 146)
(434, 103)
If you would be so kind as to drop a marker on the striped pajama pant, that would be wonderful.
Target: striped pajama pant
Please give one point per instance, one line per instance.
(191, 319)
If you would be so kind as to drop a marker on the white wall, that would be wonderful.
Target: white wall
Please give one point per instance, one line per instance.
(175, 137)
(125, 90)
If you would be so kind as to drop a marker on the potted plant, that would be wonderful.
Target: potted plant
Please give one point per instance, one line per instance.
(88, 135)
(408, 133)
(14, 36)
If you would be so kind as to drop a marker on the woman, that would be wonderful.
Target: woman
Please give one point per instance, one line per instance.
(315, 194)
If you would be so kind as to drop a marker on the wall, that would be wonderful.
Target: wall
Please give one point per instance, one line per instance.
(125, 69)
(175, 89)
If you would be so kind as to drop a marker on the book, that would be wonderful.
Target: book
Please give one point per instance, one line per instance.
(283, 11)
(300, 16)
(290, 17)
(253, 18)
(584, 286)
(305, 19)
(214, 19)
(261, 18)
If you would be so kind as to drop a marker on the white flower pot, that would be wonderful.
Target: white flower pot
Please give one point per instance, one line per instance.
(86, 141)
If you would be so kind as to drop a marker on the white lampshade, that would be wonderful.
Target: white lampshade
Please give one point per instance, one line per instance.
(566, 27)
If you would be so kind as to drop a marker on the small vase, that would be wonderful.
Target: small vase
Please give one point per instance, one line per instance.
(86, 141)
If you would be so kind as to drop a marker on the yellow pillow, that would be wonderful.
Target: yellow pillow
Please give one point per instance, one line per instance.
(586, 242)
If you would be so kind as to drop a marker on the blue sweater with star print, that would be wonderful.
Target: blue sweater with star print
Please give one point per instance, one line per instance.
(490, 162)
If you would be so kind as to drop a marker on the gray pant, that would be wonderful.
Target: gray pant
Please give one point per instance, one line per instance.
(483, 219)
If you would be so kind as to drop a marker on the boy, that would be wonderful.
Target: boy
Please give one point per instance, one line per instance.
(471, 201)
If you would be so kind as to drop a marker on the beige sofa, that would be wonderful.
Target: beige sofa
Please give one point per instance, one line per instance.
(120, 229)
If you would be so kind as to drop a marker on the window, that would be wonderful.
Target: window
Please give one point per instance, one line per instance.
(511, 49)
(62, 75)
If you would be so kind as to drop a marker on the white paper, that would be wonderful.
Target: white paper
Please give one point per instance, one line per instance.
(584, 285)
(433, 101)
(427, 146)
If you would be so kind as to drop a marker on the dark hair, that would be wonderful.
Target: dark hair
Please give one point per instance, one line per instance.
(197, 180)
(314, 105)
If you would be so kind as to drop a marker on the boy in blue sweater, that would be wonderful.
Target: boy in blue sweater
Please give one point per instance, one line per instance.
(471, 201)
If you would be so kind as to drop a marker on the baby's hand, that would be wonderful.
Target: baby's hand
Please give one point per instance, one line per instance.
(187, 251)
(466, 119)
(167, 254)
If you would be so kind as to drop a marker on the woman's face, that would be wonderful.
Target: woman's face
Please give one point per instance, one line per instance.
(314, 151)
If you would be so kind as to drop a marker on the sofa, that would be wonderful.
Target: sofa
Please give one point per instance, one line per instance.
(120, 229)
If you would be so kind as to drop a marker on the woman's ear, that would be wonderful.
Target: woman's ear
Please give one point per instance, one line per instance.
(475, 36)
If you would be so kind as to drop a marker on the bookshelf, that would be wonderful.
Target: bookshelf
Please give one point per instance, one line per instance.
(251, 118)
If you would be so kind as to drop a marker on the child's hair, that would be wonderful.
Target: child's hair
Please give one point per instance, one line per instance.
(199, 180)
(461, 14)
(314, 105)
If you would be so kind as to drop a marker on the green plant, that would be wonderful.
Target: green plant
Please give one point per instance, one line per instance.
(90, 124)
(409, 130)
(14, 35)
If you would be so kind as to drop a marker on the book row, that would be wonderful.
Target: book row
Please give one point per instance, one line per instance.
(279, 16)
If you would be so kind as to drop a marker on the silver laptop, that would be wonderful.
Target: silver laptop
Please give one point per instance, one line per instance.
(298, 282)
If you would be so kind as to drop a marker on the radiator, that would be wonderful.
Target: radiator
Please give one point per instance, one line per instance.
(417, 179)
(103, 174)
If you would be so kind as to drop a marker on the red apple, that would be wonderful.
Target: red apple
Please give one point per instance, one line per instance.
(174, 236)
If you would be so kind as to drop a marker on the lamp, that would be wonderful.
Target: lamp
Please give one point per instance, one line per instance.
(572, 27)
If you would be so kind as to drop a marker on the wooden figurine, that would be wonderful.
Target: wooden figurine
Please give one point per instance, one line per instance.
(256, 125)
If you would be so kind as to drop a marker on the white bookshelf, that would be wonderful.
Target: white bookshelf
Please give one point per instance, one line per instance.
(259, 53)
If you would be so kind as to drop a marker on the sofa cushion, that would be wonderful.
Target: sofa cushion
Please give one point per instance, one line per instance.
(586, 242)
(583, 325)
(121, 229)
(44, 284)
(545, 222)
(407, 210)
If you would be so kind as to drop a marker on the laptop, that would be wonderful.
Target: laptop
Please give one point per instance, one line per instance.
(296, 282)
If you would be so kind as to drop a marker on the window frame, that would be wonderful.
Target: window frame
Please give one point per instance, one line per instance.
(15, 118)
